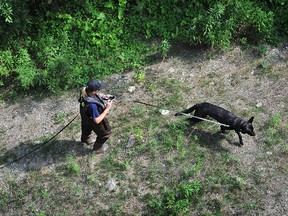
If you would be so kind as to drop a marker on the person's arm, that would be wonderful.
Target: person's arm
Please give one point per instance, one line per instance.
(98, 119)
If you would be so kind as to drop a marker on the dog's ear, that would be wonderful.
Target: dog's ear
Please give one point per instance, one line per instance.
(251, 119)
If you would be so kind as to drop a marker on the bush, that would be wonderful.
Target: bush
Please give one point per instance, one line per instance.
(59, 45)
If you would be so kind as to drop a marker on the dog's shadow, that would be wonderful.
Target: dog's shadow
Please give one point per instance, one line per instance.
(29, 156)
(205, 138)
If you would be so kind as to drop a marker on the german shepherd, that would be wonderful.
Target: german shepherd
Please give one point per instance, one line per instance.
(223, 116)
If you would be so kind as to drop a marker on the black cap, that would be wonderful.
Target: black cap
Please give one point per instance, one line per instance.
(94, 85)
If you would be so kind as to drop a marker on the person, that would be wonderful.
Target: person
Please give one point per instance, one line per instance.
(93, 113)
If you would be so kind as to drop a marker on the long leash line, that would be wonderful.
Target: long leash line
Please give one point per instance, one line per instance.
(135, 101)
(185, 114)
(25, 155)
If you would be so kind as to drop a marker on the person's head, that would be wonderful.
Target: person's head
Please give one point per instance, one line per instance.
(93, 86)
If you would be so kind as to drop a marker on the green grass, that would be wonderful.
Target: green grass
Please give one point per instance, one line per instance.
(60, 117)
(276, 133)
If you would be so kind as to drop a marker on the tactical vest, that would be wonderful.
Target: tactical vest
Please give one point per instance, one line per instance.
(86, 101)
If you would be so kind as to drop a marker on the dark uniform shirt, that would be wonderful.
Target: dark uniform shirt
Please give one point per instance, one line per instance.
(92, 111)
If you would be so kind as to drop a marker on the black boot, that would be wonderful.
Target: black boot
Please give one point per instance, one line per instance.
(100, 148)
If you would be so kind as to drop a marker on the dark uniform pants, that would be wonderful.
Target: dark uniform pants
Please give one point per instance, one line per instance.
(102, 130)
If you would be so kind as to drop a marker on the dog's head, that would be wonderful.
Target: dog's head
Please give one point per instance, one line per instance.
(248, 127)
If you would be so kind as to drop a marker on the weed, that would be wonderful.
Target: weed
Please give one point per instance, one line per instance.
(251, 205)
(165, 47)
(139, 134)
(139, 76)
(138, 111)
(205, 83)
(4, 198)
(266, 70)
(264, 65)
(274, 134)
(177, 200)
(44, 193)
(182, 153)
(261, 50)
(243, 41)
(60, 117)
(42, 213)
(127, 164)
(72, 166)
(151, 87)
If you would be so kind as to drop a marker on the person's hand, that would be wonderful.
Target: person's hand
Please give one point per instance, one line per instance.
(109, 104)
(106, 97)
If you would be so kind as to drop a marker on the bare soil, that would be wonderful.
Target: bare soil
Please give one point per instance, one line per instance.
(237, 80)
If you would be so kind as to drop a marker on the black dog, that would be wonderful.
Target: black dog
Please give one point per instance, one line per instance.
(223, 116)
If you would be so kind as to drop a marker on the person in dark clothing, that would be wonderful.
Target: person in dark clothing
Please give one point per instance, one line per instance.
(93, 113)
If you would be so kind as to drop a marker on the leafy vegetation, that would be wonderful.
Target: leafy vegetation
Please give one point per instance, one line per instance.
(59, 45)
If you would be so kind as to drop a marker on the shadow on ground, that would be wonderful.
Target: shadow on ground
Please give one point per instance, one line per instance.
(209, 140)
(25, 157)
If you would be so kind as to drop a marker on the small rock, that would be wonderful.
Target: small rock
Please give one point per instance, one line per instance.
(164, 112)
(131, 142)
(259, 104)
(111, 184)
(131, 89)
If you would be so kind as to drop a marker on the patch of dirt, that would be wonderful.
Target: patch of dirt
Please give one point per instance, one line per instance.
(233, 80)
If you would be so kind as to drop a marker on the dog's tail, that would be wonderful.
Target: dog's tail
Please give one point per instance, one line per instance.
(190, 110)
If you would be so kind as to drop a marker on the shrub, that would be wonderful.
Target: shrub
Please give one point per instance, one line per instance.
(60, 45)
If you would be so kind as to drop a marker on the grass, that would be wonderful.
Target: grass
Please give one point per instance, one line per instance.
(276, 133)
(170, 169)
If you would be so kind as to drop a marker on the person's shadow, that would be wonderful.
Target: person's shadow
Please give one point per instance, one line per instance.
(28, 156)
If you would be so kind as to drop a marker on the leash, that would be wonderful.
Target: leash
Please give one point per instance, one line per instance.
(25, 155)
(185, 114)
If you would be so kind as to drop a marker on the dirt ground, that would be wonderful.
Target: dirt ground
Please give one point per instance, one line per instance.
(235, 80)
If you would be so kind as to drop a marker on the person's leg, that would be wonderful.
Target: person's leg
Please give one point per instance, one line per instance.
(86, 134)
(86, 130)
(100, 141)
(103, 131)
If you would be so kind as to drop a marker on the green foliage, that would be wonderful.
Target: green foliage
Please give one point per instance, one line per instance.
(216, 23)
(165, 46)
(139, 76)
(274, 130)
(25, 69)
(59, 45)
(6, 65)
(177, 200)
(72, 166)
(60, 117)
(6, 11)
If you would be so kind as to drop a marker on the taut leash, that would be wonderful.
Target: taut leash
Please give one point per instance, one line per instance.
(185, 114)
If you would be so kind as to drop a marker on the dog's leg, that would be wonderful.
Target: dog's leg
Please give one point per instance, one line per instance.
(240, 137)
(224, 128)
